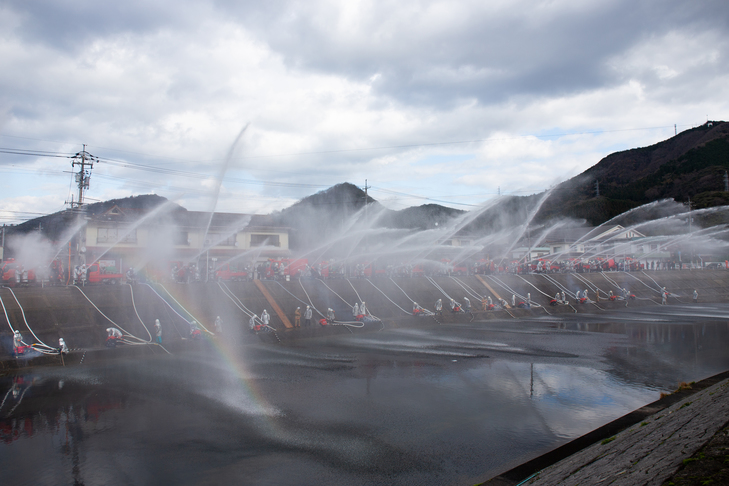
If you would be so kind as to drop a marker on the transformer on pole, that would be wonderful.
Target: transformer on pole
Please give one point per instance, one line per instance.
(85, 162)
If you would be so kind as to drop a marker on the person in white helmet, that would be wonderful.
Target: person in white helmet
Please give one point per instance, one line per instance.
(62, 348)
(195, 332)
(113, 337)
(218, 325)
(466, 305)
(252, 322)
(307, 316)
(158, 331)
(355, 310)
(363, 309)
(330, 315)
(265, 318)
(17, 343)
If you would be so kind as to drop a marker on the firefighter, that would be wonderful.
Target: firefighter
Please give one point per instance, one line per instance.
(696, 297)
(513, 300)
(113, 337)
(564, 297)
(664, 296)
(439, 307)
(195, 331)
(130, 275)
(297, 318)
(484, 303)
(330, 315)
(466, 305)
(355, 310)
(252, 323)
(307, 316)
(17, 343)
(265, 318)
(62, 348)
(363, 309)
(417, 310)
(158, 331)
(218, 325)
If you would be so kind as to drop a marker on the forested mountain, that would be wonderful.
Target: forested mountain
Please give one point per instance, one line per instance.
(689, 165)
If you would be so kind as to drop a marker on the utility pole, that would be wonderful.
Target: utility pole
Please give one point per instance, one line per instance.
(367, 219)
(85, 162)
(691, 219)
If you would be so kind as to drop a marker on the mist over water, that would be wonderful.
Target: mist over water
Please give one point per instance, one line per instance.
(440, 405)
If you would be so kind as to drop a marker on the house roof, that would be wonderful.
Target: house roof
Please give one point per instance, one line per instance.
(605, 232)
(190, 219)
(593, 234)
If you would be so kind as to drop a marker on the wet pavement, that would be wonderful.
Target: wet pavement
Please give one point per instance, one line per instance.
(452, 404)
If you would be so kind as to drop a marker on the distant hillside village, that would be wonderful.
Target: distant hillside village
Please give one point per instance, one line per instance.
(167, 242)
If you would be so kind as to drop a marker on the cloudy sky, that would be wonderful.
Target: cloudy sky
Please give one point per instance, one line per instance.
(429, 101)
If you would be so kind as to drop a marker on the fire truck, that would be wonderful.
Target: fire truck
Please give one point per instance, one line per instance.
(96, 273)
(233, 271)
(14, 274)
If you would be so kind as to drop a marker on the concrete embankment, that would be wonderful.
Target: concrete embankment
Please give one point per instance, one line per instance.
(81, 316)
(645, 447)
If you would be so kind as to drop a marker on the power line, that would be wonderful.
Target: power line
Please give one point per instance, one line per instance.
(385, 147)
(197, 175)
(34, 153)
(438, 200)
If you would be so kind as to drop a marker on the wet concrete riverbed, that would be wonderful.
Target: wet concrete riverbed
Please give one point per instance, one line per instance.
(452, 404)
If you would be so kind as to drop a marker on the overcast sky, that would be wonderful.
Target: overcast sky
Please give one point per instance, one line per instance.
(429, 101)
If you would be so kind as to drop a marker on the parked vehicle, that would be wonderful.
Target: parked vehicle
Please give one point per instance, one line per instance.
(95, 273)
(233, 271)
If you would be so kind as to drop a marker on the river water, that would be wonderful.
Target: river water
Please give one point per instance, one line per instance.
(437, 405)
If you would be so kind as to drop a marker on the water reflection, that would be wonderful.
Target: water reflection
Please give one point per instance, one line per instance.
(411, 406)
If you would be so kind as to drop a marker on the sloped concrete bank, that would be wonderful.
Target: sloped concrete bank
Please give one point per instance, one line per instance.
(644, 447)
(81, 316)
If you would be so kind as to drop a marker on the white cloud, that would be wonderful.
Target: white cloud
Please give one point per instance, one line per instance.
(323, 83)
